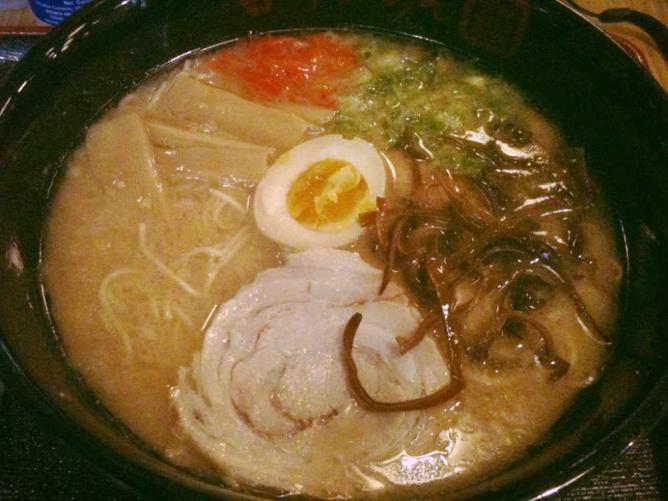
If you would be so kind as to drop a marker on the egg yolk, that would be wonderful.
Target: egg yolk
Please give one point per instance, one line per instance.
(329, 195)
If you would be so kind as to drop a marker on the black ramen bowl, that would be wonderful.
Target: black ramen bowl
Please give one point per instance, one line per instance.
(581, 79)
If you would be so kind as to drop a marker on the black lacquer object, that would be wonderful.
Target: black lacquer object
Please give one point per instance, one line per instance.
(601, 98)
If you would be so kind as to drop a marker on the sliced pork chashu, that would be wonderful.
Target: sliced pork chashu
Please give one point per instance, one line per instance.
(267, 399)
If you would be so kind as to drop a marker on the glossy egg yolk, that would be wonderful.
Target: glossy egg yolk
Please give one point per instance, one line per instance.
(328, 195)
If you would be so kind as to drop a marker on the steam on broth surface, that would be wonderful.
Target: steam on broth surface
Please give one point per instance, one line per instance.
(332, 264)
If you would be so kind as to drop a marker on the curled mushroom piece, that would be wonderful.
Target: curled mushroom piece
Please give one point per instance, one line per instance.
(368, 402)
(460, 242)
(534, 333)
(428, 324)
(529, 292)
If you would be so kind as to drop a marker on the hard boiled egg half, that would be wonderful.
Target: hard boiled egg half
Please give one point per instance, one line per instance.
(312, 195)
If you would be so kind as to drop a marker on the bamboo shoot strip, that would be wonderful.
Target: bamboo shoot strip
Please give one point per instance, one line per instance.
(314, 114)
(226, 166)
(195, 101)
(168, 135)
(120, 154)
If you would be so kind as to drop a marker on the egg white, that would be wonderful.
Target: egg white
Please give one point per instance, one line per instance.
(270, 206)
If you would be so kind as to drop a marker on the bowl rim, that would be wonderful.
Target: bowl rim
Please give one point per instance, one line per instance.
(132, 473)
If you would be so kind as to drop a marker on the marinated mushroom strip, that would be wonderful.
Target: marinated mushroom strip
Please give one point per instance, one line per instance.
(415, 275)
(458, 227)
(521, 250)
(467, 253)
(506, 320)
(486, 245)
(369, 403)
(464, 222)
(489, 152)
(479, 350)
(418, 235)
(500, 287)
(439, 219)
(389, 262)
(582, 313)
(468, 202)
(480, 281)
(536, 258)
(429, 214)
(406, 344)
(475, 345)
(564, 281)
(367, 219)
(528, 292)
(448, 347)
(502, 310)
(384, 212)
(382, 224)
(591, 325)
(436, 268)
(432, 196)
(546, 354)
(527, 256)
(492, 174)
(544, 208)
(554, 269)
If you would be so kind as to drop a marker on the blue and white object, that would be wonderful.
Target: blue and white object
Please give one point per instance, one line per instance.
(55, 11)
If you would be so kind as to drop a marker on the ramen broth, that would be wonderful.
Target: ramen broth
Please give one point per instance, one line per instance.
(163, 227)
